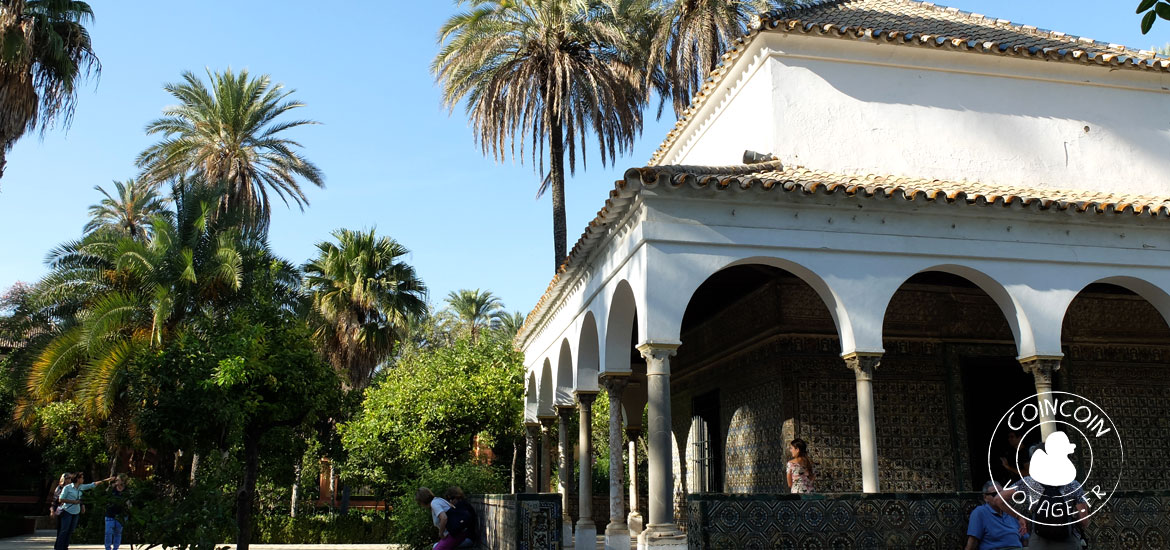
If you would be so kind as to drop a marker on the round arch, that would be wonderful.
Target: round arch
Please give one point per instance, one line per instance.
(565, 382)
(1154, 294)
(530, 398)
(1012, 311)
(545, 400)
(619, 328)
(588, 355)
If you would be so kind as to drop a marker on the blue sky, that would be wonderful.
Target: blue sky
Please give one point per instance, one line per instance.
(393, 157)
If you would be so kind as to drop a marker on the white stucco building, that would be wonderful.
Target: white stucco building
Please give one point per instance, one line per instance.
(914, 148)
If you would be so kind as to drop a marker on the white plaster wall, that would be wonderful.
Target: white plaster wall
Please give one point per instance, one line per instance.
(857, 252)
(862, 107)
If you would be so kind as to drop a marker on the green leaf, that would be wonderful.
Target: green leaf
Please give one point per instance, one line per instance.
(1163, 10)
(1148, 22)
(1145, 5)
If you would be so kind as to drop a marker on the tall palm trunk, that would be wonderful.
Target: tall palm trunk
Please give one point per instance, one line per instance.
(556, 146)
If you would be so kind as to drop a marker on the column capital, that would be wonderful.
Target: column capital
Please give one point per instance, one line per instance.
(863, 364)
(633, 433)
(531, 425)
(658, 350)
(614, 382)
(565, 412)
(547, 421)
(1041, 367)
(585, 397)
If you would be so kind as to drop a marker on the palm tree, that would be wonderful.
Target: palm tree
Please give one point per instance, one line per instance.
(548, 71)
(130, 211)
(690, 39)
(476, 310)
(44, 51)
(113, 296)
(231, 135)
(510, 324)
(363, 300)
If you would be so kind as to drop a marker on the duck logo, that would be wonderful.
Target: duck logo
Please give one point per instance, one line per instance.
(1070, 457)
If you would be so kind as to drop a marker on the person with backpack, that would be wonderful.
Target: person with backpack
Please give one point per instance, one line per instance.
(439, 508)
(1051, 528)
(461, 518)
(116, 510)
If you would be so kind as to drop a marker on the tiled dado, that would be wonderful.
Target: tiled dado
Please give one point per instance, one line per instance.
(893, 521)
(519, 522)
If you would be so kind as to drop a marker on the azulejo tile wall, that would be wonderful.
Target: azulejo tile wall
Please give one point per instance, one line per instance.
(1133, 521)
(843, 521)
(519, 522)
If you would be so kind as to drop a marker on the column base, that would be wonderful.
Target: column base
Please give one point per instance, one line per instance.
(567, 534)
(586, 537)
(662, 537)
(617, 537)
(634, 522)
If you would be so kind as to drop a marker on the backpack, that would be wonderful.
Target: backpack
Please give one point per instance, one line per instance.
(461, 520)
(1054, 532)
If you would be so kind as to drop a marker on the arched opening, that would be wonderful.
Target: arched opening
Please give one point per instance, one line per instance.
(565, 382)
(949, 372)
(587, 355)
(757, 342)
(545, 407)
(531, 398)
(1117, 354)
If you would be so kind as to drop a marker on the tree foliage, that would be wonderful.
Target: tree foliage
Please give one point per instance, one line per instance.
(427, 410)
(1152, 10)
(232, 134)
(549, 72)
(45, 50)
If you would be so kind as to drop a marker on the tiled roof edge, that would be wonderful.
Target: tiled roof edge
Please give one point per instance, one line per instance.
(773, 22)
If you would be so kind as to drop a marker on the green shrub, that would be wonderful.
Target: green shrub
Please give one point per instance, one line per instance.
(412, 523)
(354, 528)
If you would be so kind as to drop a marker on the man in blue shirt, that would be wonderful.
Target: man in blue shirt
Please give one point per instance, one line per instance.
(993, 525)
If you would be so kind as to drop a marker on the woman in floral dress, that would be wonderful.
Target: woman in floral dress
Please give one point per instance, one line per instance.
(800, 468)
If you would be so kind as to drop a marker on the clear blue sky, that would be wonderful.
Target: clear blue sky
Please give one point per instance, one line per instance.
(393, 158)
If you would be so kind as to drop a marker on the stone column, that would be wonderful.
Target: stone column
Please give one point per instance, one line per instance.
(863, 365)
(586, 530)
(546, 448)
(661, 531)
(531, 457)
(617, 534)
(564, 473)
(634, 520)
(1042, 368)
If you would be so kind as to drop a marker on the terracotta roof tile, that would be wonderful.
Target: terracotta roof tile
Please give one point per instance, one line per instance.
(775, 177)
(911, 23)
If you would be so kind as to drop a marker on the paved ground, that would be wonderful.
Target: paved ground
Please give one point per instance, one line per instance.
(43, 540)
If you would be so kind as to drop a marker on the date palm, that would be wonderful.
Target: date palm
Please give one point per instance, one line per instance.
(547, 72)
(45, 50)
(364, 297)
(114, 296)
(129, 211)
(690, 39)
(232, 134)
(476, 310)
